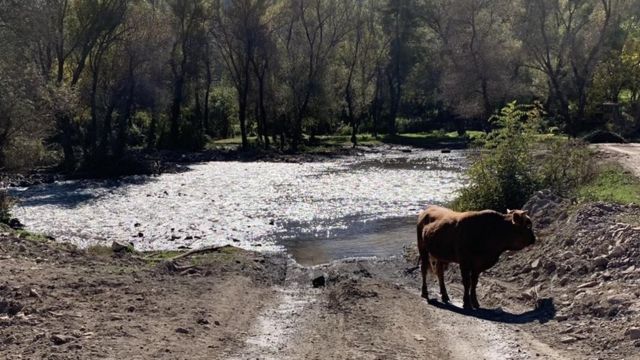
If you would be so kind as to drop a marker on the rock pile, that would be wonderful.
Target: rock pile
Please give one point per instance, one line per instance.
(587, 259)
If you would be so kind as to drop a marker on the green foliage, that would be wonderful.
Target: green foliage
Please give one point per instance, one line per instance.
(564, 165)
(28, 153)
(516, 161)
(612, 184)
(502, 177)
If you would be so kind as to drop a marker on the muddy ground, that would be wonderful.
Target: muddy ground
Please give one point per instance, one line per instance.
(58, 302)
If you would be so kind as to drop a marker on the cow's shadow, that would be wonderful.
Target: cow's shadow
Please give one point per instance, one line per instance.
(543, 312)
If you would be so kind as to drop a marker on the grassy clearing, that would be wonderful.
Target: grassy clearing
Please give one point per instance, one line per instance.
(614, 184)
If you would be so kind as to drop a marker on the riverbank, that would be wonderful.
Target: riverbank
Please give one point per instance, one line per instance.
(59, 302)
(572, 295)
(165, 161)
(322, 148)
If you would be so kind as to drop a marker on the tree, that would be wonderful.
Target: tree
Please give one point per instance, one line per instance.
(480, 54)
(236, 30)
(361, 56)
(189, 17)
(401, 20)
(565, 40)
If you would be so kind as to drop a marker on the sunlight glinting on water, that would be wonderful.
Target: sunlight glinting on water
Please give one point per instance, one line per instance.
(240, 203)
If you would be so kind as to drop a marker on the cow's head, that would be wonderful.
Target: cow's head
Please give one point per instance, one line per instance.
(522, 229)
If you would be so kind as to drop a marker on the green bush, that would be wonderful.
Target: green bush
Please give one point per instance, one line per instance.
(501, 176)
(515, 162)
(24, 153)
(564, 165)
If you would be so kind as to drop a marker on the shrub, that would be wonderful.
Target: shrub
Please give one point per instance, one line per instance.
(501, 177)
(564, 165)
(515, 162)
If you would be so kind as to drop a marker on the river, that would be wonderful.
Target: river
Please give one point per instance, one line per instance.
(317, 211)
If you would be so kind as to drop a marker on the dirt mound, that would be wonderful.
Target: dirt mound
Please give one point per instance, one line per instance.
(588, 261)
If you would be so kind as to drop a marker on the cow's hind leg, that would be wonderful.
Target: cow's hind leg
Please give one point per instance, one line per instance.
(424, 267)
(466, 282)
(474, 282)
(443, 290)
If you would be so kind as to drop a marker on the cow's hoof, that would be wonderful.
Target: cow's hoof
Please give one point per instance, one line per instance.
(425, 293)
(474, 302)
(467, 306)
(445, 299)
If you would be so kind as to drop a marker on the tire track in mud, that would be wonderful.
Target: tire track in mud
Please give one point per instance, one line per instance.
(279, 322)
(395, 324)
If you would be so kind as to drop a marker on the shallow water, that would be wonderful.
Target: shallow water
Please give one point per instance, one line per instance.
(319, 211)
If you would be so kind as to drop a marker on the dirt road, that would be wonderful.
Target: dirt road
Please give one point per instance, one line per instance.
(60, 303)
(372, 310)
(627, 154)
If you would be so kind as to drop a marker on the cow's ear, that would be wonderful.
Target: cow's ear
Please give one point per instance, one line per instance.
(509, 211)
(516, 217)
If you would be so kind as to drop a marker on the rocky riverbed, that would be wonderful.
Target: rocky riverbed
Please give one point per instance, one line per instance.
(254, 205)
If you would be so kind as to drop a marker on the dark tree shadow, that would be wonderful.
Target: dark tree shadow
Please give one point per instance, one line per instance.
(71, 194)
(543, 312)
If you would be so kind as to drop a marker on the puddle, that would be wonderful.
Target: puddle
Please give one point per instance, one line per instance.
(375, 238)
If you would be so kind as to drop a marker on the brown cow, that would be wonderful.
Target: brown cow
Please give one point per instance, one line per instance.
(473, 239)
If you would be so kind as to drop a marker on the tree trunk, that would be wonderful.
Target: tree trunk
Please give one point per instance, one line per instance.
(66, 128)
(394, 98)
(176, 108)
(243, 98)
(106, 131)
(153, 128)
(93, 129)
(242, 116)
(123, 124)
(207, 96)
(262, 118)
(354, 132)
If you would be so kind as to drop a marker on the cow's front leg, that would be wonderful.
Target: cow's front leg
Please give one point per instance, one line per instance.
(474, 283)
(466, 282)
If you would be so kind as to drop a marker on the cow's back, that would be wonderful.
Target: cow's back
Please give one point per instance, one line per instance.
(449, 235)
